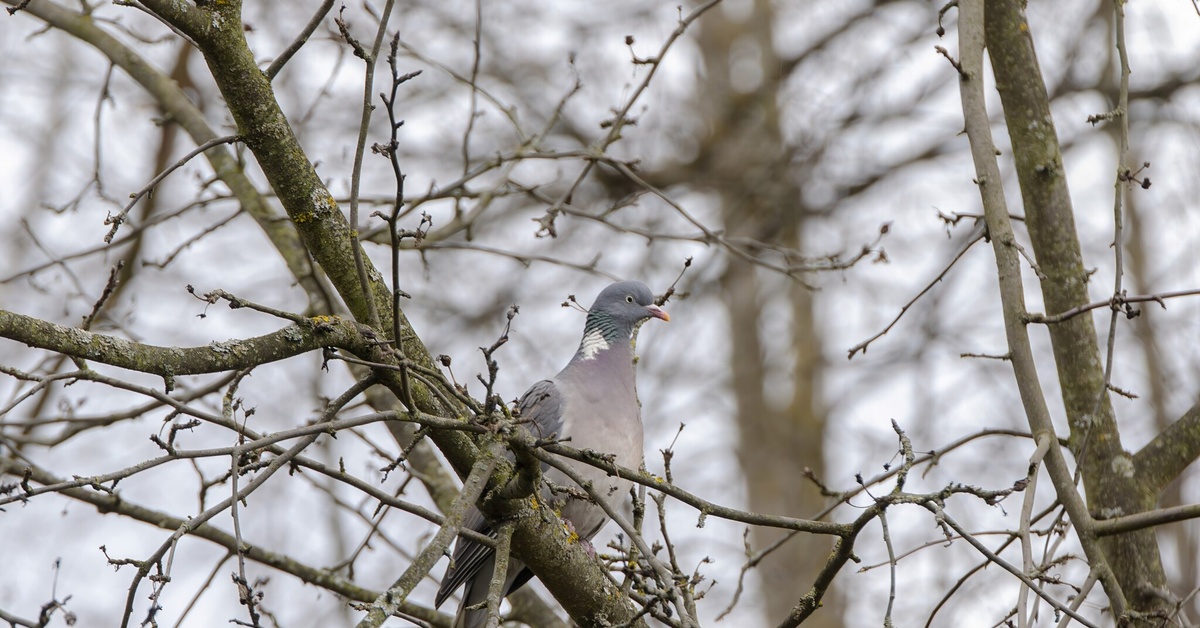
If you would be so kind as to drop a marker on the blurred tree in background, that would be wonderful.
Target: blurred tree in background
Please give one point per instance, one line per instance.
(164, 160)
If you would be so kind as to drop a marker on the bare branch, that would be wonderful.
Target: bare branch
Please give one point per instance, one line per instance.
(1117, 303)
(301, 39)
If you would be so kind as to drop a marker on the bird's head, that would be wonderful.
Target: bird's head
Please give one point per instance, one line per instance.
(623, 306)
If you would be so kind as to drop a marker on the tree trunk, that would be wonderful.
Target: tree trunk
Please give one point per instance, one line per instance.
(745, 160)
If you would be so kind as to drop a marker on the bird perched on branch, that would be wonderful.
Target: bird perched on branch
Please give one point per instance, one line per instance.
(593, 402)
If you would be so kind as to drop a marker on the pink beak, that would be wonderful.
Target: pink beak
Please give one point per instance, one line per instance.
(658, 313)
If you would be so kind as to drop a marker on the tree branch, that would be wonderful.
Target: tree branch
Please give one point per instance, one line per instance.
(843, 550)
(301, 39)
(1012, 295)
(705, 507)
(1170, 452)
(293, 340)
(323, 228)
(1115, 304)
(1148, 519)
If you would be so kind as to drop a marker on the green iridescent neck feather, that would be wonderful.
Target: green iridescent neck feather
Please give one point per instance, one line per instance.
(600, 333)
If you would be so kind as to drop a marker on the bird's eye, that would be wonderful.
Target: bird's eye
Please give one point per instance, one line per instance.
(629, 298)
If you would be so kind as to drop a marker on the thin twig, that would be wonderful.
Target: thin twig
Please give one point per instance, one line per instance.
(266, 473)
(212, 575)
(1118, 196)
(887, 541)
(1088, 583)
(359, 152)
(477, 44)
(114, 276)
(1035, 461)
(392, 153)
(299, 41)
(620, 119)
(977, 234)
(1115, 303)
(117, 220)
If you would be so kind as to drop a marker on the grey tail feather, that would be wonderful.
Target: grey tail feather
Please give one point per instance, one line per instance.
(517, 575)
(476, 618)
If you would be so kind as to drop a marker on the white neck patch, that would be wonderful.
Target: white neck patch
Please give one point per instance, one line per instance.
(593, 343)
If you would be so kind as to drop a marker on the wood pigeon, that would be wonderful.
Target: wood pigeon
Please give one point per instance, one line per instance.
(593, 402)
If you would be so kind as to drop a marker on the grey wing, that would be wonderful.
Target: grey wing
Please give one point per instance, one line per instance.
(541, 407)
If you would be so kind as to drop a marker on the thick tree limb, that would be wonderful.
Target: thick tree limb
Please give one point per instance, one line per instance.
(293, 340)
(1148, 519)
(312, 209)
(282, 233)
(217, 31)
(1051, 223)
(1169, 453)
